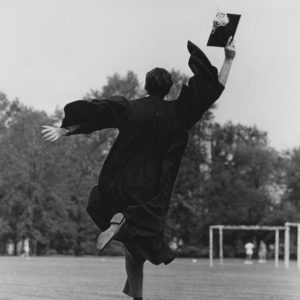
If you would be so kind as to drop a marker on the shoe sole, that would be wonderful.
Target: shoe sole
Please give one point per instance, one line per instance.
(107, 236)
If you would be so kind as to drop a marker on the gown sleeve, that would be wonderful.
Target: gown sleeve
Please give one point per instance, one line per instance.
(94, 115)
(202, 90)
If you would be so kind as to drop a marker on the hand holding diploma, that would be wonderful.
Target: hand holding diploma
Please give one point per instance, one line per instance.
(230, 49)
(229, 56)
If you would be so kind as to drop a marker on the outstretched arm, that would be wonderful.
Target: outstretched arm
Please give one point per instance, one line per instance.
(229, 56)
(84, 117)
(52, 133)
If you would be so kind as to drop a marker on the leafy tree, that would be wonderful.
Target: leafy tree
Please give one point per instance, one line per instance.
(45, 187)
(127, 86)
(243, 163)
(293, 177)
(8, 110)
(241, 170)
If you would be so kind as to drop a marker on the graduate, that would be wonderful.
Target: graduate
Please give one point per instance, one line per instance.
(132, 197)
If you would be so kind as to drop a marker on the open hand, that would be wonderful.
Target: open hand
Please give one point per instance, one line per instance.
(230, 49)
(51, 133)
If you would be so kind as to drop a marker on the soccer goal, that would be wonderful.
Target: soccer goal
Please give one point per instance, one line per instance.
(221, 228)
(288, 227)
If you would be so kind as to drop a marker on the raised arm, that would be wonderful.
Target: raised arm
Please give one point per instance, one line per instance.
(229, 56)
(205, 86)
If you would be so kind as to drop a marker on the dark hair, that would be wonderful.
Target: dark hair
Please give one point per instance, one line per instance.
(158, 82)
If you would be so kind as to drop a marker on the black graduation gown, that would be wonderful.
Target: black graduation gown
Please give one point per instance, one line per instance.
(139, 172)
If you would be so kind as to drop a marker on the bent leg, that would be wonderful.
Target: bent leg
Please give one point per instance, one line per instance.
(134, 265)
(99, 211)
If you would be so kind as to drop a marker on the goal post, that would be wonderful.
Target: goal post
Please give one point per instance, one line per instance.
(288, 226)
(221, 228)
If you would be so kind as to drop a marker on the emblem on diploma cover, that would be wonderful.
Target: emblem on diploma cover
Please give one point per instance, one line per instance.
(221, 19)
(224, 26)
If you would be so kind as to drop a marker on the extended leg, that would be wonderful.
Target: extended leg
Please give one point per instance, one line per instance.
(135, 271)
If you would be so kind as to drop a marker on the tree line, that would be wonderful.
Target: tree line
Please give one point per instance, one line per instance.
(229, 175)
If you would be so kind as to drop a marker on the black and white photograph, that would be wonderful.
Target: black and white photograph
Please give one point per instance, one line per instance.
(149, 150)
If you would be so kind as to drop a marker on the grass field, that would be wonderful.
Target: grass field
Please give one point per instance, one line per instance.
(91, 278)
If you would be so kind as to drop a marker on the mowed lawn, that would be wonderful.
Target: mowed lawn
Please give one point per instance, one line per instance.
(91, 278)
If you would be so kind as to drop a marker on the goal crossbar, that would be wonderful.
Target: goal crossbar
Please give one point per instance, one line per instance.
(246, 227)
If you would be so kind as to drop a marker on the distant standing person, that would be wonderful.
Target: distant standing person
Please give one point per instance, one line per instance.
(249, 252)
(262, 252)
(132, 197)
(26, 248)
(10, 248)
